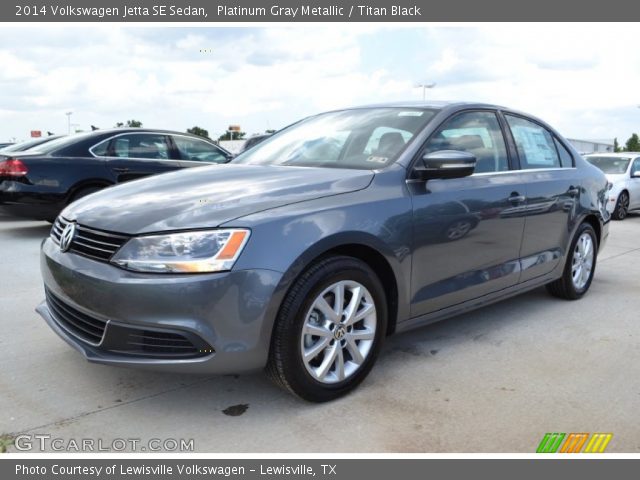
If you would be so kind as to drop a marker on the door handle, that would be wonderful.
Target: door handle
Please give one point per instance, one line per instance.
(573, 191)
(121, 169)
(517, 198)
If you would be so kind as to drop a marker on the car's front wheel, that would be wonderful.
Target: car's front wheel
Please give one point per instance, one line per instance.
(580, 266)
(329, 329)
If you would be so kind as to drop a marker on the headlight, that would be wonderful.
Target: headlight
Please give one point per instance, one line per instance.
(185, 252)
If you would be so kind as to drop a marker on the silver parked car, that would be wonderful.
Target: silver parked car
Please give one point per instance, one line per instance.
(623, 171)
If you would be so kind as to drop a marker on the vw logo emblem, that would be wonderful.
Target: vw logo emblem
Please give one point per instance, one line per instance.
(67, 236)
(339, 333)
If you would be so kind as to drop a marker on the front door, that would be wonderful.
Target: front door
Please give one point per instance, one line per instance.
(467, 231)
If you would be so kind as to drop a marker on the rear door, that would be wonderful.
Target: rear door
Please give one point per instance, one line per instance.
(467, 231)
(553, 192)
(130, 156)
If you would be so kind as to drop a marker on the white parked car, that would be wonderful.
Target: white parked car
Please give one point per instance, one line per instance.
(623, 171)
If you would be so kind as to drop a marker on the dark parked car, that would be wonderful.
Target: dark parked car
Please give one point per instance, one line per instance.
(38, 183)
(305, 252)
(253, 141)
(22, 146)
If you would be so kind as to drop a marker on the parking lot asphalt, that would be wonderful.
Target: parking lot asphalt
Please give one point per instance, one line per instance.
(493, 380)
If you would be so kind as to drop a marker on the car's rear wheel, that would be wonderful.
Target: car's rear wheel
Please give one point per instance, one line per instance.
(622, 207)
(580, 267)
(329, 330)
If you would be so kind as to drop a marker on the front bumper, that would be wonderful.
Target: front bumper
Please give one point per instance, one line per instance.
(227, 317)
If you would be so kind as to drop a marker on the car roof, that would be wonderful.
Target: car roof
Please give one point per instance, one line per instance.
(453, 107)
(614, 155)
(117, 130)
(432, 104)
(102, 135)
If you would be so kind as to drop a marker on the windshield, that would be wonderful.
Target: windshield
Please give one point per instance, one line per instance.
(21, 147)
(366, 139)
(610, 165)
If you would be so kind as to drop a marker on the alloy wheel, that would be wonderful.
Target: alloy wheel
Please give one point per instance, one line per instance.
(582, 263)
(338, 332)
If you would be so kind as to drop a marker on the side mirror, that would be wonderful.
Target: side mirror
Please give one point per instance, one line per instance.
(636, 174)
(446, 164)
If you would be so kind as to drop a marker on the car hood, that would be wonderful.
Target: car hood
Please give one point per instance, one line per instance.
(207, 197)
(615, 178)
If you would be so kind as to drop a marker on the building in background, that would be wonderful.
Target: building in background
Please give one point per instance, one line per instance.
(592, 146)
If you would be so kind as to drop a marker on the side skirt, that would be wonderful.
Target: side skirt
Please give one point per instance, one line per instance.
(475, 303)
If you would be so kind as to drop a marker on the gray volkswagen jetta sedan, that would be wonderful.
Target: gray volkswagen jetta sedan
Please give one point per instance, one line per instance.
(305, 252)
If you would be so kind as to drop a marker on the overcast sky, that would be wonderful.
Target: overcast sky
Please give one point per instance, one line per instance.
(582, 78)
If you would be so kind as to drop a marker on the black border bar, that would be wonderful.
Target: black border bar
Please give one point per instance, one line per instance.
(233, 11)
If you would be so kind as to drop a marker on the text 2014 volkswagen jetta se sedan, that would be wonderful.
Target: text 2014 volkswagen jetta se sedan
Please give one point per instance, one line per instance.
(304, 253)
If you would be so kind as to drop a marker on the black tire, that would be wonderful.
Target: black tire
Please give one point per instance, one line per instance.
(565, 287)
(622, 206)
(83, 192)
(286, 366)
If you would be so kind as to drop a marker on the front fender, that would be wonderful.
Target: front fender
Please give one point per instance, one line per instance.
(288, 239)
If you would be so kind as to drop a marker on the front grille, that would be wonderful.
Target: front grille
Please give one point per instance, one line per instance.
(89, 242)
(161, 344)
(83, 326)
(121, 338)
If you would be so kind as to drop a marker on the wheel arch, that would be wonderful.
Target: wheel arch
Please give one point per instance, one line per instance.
(379, 264)
(365, 247)
(592, 220)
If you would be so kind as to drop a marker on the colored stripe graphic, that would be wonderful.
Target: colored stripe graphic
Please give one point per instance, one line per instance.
(574, 443)
(598, 443)
(550, 442)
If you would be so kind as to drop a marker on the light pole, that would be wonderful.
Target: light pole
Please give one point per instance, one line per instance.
(424, 87)
(68, 114)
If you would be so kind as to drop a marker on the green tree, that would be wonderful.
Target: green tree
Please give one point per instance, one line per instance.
(633, 144)
(201, 132)
(231, 136)
(130, 124)
(616, 145)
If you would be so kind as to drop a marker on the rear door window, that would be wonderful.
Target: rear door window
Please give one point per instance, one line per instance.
(535, 144)
(197, 150)
(566, 159)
